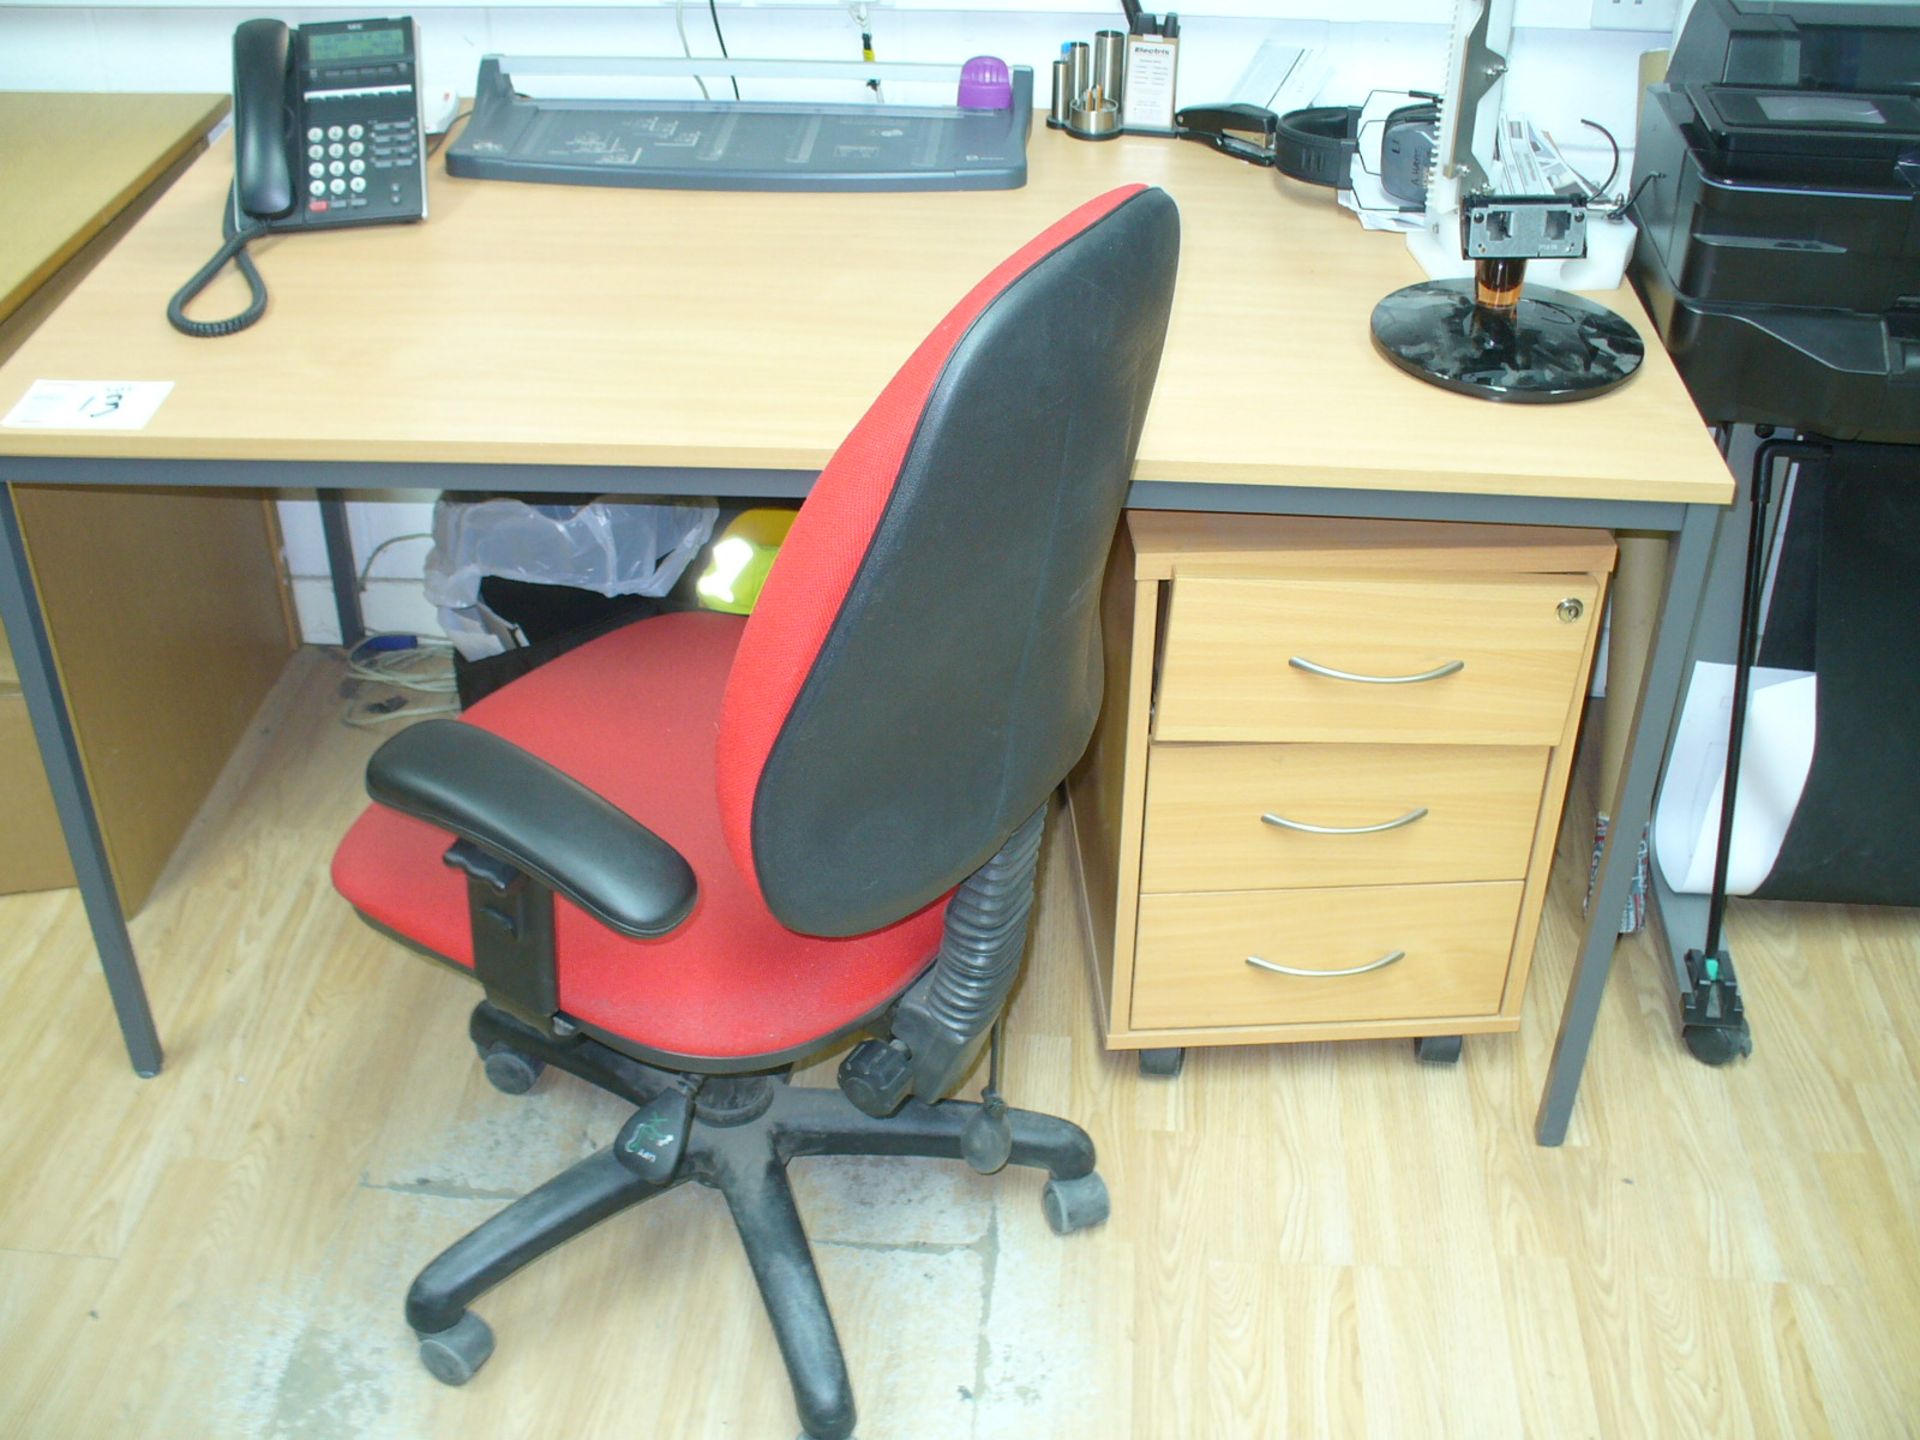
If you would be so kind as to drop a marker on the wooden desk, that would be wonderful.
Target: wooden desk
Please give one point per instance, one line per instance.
(164, 610)
(531, 337)
(76, 164)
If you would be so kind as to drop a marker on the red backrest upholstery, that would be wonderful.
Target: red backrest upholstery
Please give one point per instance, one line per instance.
(923, 664)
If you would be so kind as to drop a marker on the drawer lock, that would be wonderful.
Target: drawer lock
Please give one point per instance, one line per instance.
(1570, 610)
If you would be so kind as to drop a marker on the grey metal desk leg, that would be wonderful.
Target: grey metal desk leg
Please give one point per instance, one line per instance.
(40, 684)
(1659, 696)
(340, 564)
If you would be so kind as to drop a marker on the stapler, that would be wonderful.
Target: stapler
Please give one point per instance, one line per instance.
(1221, 126)
(1316, 145)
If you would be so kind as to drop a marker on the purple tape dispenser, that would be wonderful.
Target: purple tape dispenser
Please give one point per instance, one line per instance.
(986, 84)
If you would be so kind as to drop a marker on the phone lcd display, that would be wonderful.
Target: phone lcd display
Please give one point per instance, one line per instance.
(330, 46)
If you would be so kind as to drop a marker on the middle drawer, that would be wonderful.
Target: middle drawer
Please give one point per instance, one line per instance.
(1402, 814)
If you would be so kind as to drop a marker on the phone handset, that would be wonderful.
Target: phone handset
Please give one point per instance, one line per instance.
(262, 181)
(262, 114)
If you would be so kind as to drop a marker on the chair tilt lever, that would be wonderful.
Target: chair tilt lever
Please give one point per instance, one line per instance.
(655, 1136)
(511, 917)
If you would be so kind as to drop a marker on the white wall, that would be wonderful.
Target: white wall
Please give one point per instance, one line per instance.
(1562, 73)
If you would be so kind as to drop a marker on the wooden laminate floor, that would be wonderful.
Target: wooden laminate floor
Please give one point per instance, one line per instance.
(1305, 1241)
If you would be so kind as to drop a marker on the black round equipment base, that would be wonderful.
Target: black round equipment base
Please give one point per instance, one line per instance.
(1552, 346)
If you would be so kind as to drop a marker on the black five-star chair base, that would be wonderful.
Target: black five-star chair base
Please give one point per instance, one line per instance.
(745, 1128)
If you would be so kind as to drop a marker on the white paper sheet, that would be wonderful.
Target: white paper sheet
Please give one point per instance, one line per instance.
(1774, 759)
(88, 404)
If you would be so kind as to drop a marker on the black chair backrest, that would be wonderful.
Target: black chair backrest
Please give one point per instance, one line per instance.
(924, 665)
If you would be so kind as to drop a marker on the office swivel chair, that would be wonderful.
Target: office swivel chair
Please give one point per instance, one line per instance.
(767, 835)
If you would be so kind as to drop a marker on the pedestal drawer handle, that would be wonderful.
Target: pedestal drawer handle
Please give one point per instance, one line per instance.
(1305, 829)
(1437, 673)
(1279, 969)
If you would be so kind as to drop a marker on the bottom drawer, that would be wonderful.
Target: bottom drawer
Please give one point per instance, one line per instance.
(1192, 965)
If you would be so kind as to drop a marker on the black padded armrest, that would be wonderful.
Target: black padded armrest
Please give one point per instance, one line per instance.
(517, 806)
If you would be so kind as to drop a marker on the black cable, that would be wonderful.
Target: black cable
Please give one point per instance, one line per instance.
(1613, 174)
(1746, 656)
(234, 248)
(720, 35)
(1632, 200)
(441, 138)
(1742, 678)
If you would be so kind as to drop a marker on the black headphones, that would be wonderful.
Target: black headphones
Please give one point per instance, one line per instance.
(1316, 145)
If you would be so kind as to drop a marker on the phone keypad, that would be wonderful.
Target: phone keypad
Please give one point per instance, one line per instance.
(366, 162)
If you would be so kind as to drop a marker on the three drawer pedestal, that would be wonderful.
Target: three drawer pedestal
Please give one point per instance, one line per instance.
(1322, 797)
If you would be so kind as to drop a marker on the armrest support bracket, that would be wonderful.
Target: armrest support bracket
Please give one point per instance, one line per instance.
(526, 831)
(511, 917)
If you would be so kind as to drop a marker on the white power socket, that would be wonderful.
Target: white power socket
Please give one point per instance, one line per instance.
(1649, 15)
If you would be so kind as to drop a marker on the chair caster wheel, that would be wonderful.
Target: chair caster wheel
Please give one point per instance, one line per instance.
(454, 1356)
(1163, 1064)
(1075, 1204)
(510, 1072)
(986, 1140)
(1437, 1049)
(1718, 1044)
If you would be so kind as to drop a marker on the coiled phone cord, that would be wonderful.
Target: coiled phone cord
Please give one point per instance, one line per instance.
(235, 249)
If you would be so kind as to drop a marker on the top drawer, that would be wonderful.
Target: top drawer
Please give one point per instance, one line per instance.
(1481, 660)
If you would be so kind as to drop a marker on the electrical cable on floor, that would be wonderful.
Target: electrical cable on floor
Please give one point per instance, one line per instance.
(411, 662)
(398, 660)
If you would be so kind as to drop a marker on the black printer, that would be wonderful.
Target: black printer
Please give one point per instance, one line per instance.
(1777, 177)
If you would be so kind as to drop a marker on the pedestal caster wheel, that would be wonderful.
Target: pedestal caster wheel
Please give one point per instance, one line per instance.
(1163, 1064)
(454, 1356)
(1437, 1049)
(1075, 1204)
(510, 1072)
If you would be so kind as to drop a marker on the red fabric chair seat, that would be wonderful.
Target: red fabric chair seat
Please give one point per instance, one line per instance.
(634, 716)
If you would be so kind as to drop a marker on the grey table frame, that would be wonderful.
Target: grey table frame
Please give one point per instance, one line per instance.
(1693, 524)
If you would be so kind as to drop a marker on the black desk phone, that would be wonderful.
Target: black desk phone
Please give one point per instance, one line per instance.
(326, 123)
(327, 133)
